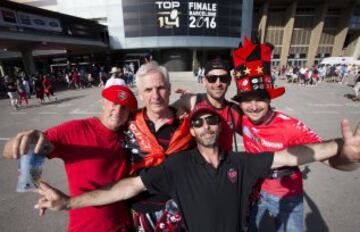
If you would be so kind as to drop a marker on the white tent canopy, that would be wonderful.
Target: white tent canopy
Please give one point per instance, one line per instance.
(340, 60)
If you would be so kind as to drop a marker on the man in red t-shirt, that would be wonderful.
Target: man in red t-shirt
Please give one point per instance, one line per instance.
(92, 152)
(281, 193)
(263, 129)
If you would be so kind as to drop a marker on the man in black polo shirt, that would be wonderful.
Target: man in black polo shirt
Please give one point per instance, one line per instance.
(210, 186)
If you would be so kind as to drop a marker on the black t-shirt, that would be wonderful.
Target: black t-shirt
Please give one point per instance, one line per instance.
(210, 199)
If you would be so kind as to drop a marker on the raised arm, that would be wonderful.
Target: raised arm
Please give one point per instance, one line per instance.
(55, 200)
(19, 144)
(347, 151)
(186, 101)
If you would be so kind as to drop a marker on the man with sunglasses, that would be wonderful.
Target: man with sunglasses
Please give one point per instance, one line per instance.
(216, 82)
(211, 186)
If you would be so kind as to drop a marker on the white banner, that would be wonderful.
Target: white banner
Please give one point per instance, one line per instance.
(39, 22)
(202, 14)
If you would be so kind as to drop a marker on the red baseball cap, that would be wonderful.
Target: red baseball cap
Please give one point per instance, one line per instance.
(201, 110)
(120, 94)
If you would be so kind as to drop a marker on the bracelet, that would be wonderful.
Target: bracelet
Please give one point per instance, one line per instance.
(340, 144)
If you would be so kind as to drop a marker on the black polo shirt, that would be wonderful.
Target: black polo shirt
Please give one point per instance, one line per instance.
(166, 131)
(210, 199)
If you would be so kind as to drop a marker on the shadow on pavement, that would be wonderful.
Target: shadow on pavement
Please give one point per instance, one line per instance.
(63, 99)
(351, 97)
(313, 220)
(52, 102)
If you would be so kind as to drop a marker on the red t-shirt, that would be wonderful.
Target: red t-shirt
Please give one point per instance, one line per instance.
(281, 132)
(93, 157)
(46, 83)
(75, 77)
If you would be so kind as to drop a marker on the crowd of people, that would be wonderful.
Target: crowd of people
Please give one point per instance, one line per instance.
(19, 88)
(93, 76)
(311, 76)
(187, 172)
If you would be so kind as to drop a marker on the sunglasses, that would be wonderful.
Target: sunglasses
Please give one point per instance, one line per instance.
(210, 120)
(214, 78)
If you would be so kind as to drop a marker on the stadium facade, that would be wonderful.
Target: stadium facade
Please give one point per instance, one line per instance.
(182, 34)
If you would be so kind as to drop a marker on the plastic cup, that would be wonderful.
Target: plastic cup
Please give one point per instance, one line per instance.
(30, 168)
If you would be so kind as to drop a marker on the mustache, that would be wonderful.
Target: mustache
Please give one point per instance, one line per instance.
(210, 132)
(254, 111)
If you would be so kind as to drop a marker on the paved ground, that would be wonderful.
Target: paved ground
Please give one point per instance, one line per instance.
(332, 197)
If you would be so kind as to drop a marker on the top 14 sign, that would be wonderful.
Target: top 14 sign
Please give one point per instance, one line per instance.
(200, 14)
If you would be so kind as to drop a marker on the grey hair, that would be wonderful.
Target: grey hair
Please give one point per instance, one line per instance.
(152, 66)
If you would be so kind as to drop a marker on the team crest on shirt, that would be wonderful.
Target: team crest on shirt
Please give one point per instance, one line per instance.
(232, 175)
(247, 132)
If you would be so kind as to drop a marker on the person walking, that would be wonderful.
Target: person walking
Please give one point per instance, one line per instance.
(12, 92)
(22, 94)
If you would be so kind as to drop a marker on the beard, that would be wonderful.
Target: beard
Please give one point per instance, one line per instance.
(217, 94)
(207, 139)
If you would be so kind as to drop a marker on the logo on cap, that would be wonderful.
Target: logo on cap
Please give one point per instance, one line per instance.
(122, 95)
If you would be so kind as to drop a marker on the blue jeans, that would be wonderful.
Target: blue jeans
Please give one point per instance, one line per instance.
(287, 212)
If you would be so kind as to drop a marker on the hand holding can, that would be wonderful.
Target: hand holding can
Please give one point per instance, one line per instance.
(30, 168)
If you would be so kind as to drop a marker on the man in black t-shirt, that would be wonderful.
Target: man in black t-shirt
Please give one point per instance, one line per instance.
(210, 186)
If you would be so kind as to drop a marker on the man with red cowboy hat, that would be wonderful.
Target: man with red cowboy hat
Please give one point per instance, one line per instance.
(210, 185)
(264, 129)
(93, 155)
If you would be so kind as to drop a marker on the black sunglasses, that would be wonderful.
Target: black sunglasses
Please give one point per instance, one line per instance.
(210, 120)
(213, 78)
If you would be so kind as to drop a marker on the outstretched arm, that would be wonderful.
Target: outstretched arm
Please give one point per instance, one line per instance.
(347, 150)
(55, 200)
